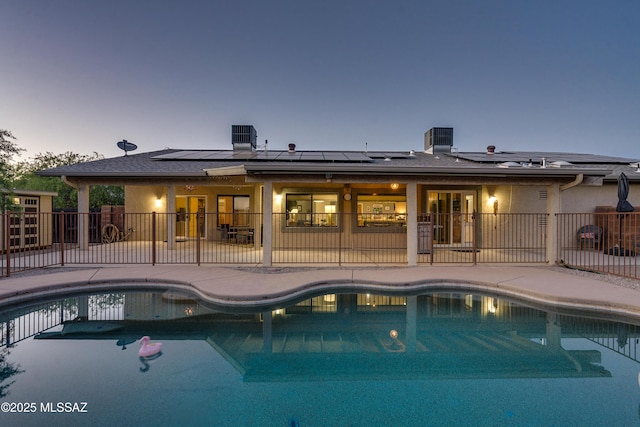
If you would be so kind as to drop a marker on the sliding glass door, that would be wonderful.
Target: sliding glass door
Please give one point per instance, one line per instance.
(452, 220)
(188, 224)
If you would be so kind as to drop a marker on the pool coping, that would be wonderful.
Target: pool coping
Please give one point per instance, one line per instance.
(236, 287)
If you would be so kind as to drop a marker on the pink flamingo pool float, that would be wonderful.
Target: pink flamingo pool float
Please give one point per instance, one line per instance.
(149, 349)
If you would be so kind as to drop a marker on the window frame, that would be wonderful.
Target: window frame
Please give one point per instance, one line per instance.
(385, 226)
(233, 214)
(334, 217)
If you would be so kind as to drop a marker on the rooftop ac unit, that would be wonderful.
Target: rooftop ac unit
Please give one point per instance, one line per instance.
(438, 140)
(243, 137)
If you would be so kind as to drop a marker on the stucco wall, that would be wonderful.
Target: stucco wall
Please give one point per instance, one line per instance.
(585, 198)
(141, 200)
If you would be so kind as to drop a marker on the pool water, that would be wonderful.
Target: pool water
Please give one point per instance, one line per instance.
(444, 358)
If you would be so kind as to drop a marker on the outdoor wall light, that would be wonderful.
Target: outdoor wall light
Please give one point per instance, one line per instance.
(278, 198)
(395, 185)
(493, 200)
(158, 202)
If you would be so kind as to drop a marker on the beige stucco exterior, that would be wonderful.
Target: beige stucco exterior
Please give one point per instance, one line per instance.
(511, 199)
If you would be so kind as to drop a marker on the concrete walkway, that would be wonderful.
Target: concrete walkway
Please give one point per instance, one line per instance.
(239, 287)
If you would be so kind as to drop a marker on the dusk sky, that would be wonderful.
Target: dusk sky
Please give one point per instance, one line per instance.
(557, 75)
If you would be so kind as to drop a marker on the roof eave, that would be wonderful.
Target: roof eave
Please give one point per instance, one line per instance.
(260, 169)
(198, 174)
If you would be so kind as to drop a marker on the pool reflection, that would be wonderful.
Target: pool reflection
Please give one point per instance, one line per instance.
(346, 336)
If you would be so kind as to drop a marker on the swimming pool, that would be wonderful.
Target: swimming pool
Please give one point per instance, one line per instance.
(442, 358)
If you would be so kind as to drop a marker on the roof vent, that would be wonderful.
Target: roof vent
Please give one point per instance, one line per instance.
(292, 148)
(560, 163)
(243, 137)
(438, 140)
(509, 165)
(491, 149)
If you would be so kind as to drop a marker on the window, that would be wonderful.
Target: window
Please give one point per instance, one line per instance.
(233, 210)
(312, 210)
(381, 210)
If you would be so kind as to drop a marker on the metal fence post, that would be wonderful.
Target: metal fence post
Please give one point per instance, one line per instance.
(5, 240)
(341, 219)
(61, 235)
(473, 238)
(431, 237)
(153, 238)
(198, 238)
(7, 248)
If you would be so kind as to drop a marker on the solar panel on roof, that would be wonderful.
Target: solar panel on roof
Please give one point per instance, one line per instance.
(216, 155)
(298, 156)
(334, 156)
(242, 155)
(311, 155)
(289, 156)
(176, 155)
(357, 157)
(192, 155)
(389, 154)
(536, 157)
(266, 155)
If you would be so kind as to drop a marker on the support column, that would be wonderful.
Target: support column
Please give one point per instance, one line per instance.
(83, 216)
(171, 217)
(412, 224)
(256, 220)
(267, 223)
(553, 208)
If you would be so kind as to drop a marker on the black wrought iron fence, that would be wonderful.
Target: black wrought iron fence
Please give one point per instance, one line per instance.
(20, 324)
(337, 239)
(39, 240)
(607, 242)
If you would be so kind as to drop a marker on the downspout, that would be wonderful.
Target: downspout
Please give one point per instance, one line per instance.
(577, 181)
(69, 183)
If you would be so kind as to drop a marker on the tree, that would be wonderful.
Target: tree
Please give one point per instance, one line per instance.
(8, 149)
(25, 178)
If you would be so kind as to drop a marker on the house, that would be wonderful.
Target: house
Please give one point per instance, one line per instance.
(268, 198)
(32, 227)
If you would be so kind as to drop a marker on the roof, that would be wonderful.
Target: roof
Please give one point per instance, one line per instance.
(35, 193)
(199, 163)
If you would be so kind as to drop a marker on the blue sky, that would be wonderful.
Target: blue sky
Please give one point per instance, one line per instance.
(557, 75)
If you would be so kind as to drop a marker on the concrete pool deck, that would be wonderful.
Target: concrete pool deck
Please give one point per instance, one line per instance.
(261, 287)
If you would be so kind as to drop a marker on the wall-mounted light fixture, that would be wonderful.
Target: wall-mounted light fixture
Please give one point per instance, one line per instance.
(395, 185)
(328, 177)
(158, 202)
(493, 200)
(278, 198)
